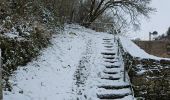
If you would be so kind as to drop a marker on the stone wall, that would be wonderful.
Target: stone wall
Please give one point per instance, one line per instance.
(150, 78)
(157, 48)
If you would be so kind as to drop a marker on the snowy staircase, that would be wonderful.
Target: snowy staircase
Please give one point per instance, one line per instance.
(112, 86)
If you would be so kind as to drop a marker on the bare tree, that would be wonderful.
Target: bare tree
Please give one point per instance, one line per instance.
(130, 8)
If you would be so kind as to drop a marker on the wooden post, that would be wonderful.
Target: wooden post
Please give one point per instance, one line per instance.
(1, 95)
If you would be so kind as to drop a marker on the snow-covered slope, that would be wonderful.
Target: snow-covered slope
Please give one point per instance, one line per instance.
(66, 70)
(81, 64)
(52, 73)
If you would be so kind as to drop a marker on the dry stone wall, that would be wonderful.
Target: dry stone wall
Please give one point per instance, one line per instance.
(150, 78)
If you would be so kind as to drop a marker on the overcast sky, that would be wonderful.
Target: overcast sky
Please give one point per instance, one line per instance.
(159, 21)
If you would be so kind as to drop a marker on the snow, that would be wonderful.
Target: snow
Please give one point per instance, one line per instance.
(73, 67)
(136, 51)
(51, 74)
(120, 91)
(69, 69)
(54, 73)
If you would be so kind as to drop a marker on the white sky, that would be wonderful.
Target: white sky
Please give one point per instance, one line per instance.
(159, 21)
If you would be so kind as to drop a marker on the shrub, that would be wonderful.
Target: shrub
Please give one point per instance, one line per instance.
(21, 50)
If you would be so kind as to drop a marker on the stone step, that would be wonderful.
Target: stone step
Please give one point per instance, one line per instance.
(108, 46)
(115, 63)
(114, 87)
(108, 72)
(107, 53)
(110, 61)
(110, 78)
(129, 97)
(107, 39)
(108, 43)
(109, 58)
(107, 75)
(106, 56)
(112, 66)
(118, 70)
(110, 49)
(113, 94)
(103, 82)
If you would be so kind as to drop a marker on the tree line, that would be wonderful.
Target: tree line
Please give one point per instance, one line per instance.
(119, 12)
(165, 36)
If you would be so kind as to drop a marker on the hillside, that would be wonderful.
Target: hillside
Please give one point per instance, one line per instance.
(72, 68)
(69, 69)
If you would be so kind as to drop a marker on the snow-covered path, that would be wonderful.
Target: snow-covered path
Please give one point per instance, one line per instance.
(70, 69)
